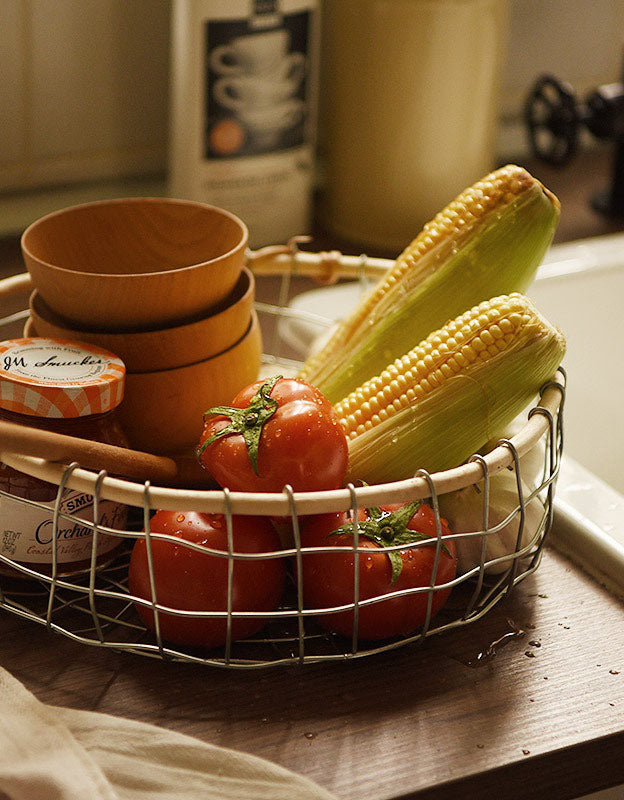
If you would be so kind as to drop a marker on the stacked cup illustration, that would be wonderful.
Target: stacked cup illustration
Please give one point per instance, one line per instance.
(258, 80)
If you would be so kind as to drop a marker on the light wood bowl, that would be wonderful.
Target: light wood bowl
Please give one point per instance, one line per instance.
(134, 263)
(162, 411)
(146, 351)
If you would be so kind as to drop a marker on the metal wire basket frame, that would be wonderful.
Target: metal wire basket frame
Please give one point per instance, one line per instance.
(97, 609)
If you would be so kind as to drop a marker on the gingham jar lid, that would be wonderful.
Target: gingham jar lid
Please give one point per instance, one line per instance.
(59, 379)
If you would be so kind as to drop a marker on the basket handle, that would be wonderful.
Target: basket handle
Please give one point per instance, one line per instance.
(178, 471)
(325, 267)
(16, 284)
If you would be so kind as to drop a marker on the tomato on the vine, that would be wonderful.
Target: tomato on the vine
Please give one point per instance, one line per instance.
(328, 578)
(276, 432)
(189, 580)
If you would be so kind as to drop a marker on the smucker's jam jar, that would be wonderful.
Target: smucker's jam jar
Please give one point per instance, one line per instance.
(70, 388)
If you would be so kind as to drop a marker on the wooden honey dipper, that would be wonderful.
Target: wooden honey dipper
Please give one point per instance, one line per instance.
(178, 471)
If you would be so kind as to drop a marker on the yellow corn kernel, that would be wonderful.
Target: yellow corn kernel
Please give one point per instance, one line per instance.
(457, 390)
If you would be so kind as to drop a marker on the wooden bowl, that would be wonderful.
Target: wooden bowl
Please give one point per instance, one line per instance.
(134, 263)
(146, 351)
(162, 411)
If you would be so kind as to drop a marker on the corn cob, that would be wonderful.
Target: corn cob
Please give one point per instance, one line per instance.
(488, 241)
(440, 402)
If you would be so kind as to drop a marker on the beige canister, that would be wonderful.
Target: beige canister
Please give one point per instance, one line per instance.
(409, 106)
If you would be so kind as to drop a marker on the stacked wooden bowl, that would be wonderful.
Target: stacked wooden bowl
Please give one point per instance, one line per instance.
(162, 284)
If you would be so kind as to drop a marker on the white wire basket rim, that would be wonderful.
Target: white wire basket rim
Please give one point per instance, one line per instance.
(285, 551)
(279, 504)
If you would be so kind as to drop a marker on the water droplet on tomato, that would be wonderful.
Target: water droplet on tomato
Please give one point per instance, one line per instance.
(180, 518)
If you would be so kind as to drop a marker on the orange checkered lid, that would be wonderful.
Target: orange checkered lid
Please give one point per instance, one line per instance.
(59, 379)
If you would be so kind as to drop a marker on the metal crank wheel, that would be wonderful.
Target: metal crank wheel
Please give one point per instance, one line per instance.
(552, 118)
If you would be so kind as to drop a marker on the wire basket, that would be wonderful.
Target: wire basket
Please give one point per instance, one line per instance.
(96, 608)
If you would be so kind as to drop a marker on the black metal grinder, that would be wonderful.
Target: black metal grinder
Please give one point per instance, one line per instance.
(554, 117)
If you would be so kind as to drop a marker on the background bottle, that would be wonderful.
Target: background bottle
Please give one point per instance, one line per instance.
(243, 110)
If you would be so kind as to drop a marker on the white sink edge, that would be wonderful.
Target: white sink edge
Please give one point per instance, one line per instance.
(589, 524)
(595, 253)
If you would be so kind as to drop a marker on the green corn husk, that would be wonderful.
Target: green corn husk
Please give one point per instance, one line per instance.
(489, 241)
(438, 404)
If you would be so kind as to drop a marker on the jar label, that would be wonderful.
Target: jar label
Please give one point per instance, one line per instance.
(55, 362)
(26, 529)
(58, 379)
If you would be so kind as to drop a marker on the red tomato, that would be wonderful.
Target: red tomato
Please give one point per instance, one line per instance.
(192, 581)
(328, 578)
(299, 440)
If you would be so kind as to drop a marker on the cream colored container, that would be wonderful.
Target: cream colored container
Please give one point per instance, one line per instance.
(408, 110)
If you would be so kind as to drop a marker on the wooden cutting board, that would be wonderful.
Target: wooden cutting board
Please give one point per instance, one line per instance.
(542, 718)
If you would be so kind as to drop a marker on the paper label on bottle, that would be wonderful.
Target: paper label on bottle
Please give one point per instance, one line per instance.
(256, 85)
(26, 531)
(257, 116)
(271, 194)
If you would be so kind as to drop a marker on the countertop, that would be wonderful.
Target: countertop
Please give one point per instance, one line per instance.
(542, 718)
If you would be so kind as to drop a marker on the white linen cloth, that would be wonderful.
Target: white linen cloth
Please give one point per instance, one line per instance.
(52, 753)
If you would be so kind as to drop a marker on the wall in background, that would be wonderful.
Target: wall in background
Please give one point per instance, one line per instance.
(579, 41)
(83, 93)
(84, 85)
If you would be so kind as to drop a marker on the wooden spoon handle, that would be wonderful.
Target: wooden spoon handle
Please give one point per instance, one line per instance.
(119, 461)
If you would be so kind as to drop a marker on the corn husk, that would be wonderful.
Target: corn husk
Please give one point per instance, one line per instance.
(441, 402)
(463, 510)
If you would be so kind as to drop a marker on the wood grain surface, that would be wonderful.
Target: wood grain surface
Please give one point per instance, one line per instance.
(542, 718)
(134, 263)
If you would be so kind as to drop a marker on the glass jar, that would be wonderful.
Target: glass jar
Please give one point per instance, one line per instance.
(73, 389)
